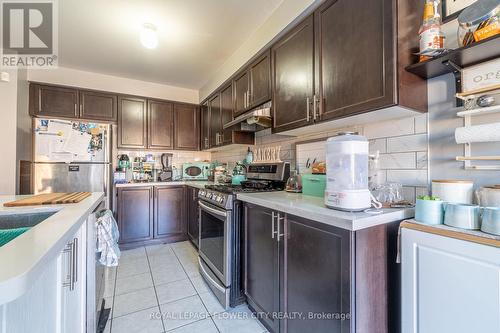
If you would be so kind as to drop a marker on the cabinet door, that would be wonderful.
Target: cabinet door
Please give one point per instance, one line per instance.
(135, 213)
(169, 211)
(187, 127)
(293, 79)
(241, 91)
(215, 121)
(260, 80)
(96, 105)
(205, 126)
(316, 275)
(132, 122)
(48, 101)
(262, 263)
(441, 277)
(161, 125)
(227, 106)
(192, 215)
(355, 66)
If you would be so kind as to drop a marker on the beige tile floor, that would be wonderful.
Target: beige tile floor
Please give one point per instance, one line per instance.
(158, 289)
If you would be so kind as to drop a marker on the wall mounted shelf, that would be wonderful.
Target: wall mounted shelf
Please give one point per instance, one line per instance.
(462, 57)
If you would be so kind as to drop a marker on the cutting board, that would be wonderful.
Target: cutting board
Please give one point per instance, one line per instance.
(49, 199)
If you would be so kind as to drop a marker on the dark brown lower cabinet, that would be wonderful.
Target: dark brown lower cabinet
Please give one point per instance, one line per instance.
(135, 214)
(193, 229)
(305, 276)
(151, 214)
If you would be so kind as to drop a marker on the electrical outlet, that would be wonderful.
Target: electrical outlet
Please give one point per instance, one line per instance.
(4, 77)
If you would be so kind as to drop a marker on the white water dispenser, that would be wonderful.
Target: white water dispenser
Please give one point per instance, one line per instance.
(347, 172)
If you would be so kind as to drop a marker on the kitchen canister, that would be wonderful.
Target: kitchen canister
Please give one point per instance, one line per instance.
(491, 220)
(463, 216)
(454, 191)
(429, 211)
(488, 196)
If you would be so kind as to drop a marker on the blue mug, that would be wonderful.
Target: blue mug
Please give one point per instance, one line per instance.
(429, 211)
(491, 220)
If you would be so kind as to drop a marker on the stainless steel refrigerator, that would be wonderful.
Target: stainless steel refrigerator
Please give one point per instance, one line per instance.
(55, 170)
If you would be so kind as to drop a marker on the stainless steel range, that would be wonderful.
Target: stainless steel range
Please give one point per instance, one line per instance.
(221, 229)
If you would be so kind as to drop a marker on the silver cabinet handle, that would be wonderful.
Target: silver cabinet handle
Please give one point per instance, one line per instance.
(308, 111)
(74, 280)
(39, 100)
(278, 234)
(76, 112)
(248, 98)
(272, 225)
(68, 252)
(206, 142)
(314, 107)
(245, 100)
(81, 110)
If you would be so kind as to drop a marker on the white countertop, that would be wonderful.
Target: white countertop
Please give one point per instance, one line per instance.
(22, 260)
(192, 183)
(313, 208)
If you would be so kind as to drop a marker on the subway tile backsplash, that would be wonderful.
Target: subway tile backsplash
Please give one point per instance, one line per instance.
(402, 145)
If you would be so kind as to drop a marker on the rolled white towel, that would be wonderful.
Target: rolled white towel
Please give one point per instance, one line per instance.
(478, 133)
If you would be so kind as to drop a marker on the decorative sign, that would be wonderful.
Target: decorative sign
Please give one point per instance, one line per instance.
(451, 8)
(481, 77)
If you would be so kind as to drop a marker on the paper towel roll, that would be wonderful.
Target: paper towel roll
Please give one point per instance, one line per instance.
(479, 133)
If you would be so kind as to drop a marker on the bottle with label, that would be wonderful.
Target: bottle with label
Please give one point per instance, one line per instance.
(431, 35)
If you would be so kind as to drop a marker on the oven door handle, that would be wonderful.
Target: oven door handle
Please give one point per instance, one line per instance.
(212, 210)
(205, 274)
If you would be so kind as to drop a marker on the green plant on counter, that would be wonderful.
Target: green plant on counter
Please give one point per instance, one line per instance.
(429, 197)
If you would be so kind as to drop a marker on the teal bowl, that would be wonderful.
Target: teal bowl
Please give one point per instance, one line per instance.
(429, 211)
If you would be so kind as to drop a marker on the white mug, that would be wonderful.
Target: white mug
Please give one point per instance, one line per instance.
(454, 191)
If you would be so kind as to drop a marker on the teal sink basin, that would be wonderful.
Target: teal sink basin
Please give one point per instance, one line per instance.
(14, 225)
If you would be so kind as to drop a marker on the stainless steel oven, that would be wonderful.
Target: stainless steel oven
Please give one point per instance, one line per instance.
(214, 249)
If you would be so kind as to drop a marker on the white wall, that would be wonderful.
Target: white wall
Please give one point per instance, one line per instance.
(90, 80)
(8, 118)
(287, 12)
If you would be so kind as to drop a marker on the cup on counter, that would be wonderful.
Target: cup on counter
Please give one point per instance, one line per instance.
(463, 216)
(454, 191)
(429, 211)
(491, 220)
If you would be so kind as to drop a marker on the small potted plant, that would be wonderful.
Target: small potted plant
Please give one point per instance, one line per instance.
(429, 210)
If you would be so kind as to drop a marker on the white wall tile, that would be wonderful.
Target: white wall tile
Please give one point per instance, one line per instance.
(421, 124)
(421, 191)
(390, 128)
(408, 177)
(409, 193)
(417, 142)
(378, 144)
(422, 157)
(398, 161)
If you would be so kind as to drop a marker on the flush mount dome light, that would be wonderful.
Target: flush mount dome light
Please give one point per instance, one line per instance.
(149, 37)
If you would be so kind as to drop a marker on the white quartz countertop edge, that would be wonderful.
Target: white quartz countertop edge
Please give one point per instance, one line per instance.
(23, 259)
(313, 208)
(192, 183)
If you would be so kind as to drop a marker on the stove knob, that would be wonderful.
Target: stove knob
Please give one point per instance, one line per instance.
(221, 199)
(209, 195)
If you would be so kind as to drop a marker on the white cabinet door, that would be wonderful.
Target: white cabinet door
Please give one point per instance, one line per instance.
(449, 285)
(73, 305)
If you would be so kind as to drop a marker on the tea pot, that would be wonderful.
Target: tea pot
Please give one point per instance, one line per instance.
(488, 196)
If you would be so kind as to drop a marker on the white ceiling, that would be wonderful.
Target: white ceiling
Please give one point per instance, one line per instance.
(196, 36)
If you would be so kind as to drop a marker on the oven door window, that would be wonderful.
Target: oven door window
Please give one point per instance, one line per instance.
(193, 171)
(212, 239)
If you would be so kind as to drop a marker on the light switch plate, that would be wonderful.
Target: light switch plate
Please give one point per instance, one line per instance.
(4, 77)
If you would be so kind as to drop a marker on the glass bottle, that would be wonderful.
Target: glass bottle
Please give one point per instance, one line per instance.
(430, 33)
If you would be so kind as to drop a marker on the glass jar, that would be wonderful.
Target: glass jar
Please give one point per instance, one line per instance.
(479, 21)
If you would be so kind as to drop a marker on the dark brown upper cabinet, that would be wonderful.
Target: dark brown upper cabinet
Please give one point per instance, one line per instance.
(161, 125)
(241, 90)
(132, 122)
(52, 101)
(205, 126)
(260, 80)
(215, 120)
(96, 105)
(355, 65)
(252, 86)
(227, 105)
(187, 127)
(169, 211)
(293, 77)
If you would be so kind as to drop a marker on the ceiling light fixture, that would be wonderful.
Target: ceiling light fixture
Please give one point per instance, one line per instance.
(149, 36)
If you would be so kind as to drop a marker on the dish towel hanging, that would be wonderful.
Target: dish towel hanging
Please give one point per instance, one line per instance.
(107, 239)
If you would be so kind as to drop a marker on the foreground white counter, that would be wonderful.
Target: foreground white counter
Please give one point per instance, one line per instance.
(313, 208)
(22, 260)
